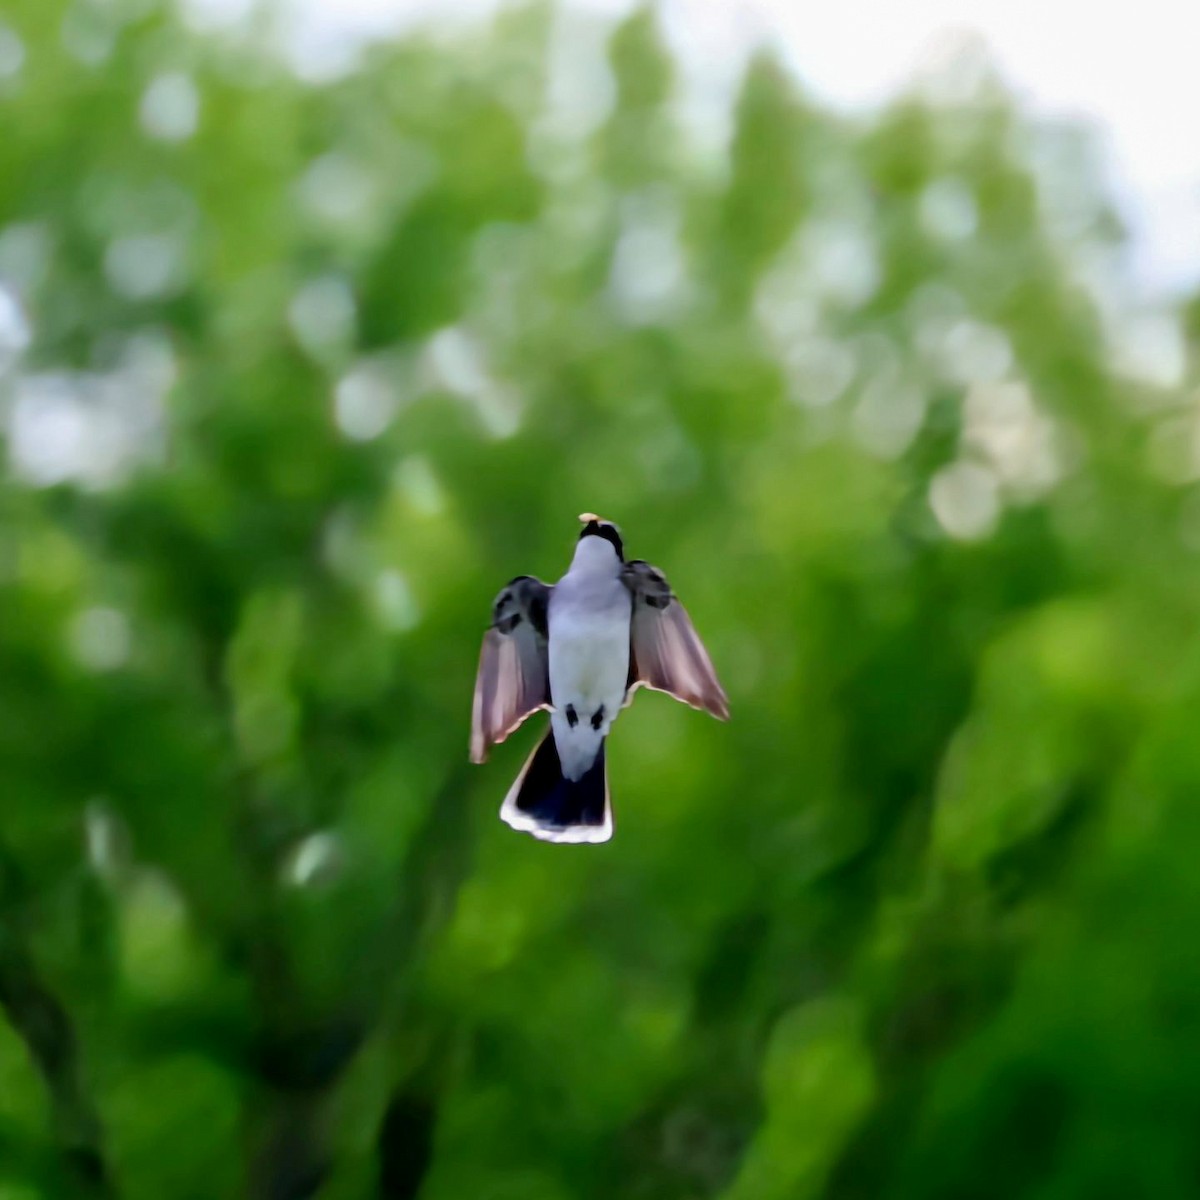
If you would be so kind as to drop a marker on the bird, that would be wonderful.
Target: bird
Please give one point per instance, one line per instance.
(580, 649)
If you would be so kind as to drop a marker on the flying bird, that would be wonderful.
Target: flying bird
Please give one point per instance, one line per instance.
(580, 648)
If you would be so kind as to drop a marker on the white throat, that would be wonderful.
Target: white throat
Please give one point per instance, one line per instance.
(594, 554)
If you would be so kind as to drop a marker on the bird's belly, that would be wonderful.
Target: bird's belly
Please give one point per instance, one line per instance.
(589, 665)
(589, 668)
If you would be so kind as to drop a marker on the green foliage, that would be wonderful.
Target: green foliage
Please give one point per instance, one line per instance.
(294, 376)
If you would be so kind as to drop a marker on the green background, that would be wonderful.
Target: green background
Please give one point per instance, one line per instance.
(295, 376)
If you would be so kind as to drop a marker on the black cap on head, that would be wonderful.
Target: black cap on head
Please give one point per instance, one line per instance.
(595, 527)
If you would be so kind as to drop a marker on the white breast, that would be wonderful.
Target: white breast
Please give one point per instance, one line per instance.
(589, 664)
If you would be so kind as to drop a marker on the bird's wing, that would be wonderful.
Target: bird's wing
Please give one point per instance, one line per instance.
(514, 678)
(665, 652)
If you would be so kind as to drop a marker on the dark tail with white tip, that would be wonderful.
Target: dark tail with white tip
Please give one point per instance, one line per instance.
(542, 801)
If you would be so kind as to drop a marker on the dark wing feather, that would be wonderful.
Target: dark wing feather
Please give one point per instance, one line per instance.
(514, 678)
(665, 651)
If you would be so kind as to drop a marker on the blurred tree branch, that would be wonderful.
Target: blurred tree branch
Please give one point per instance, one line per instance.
(45, 1027)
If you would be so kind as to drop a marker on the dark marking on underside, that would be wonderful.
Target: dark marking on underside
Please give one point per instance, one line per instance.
(598, 717)
(537, 612)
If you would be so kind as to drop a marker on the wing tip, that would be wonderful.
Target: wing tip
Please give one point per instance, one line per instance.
(717, 706)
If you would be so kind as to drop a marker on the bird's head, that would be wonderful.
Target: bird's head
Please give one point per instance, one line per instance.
(594, 526)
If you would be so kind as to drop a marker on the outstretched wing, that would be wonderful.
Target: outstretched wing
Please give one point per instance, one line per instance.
(514, 677)
(665, 652)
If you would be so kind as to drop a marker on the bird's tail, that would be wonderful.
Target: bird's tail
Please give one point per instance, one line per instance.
(542, 801)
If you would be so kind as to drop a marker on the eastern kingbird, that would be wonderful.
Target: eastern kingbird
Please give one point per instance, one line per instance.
(580, 648)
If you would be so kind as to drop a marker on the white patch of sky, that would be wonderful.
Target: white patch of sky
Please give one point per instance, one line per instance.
(1128, 68)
